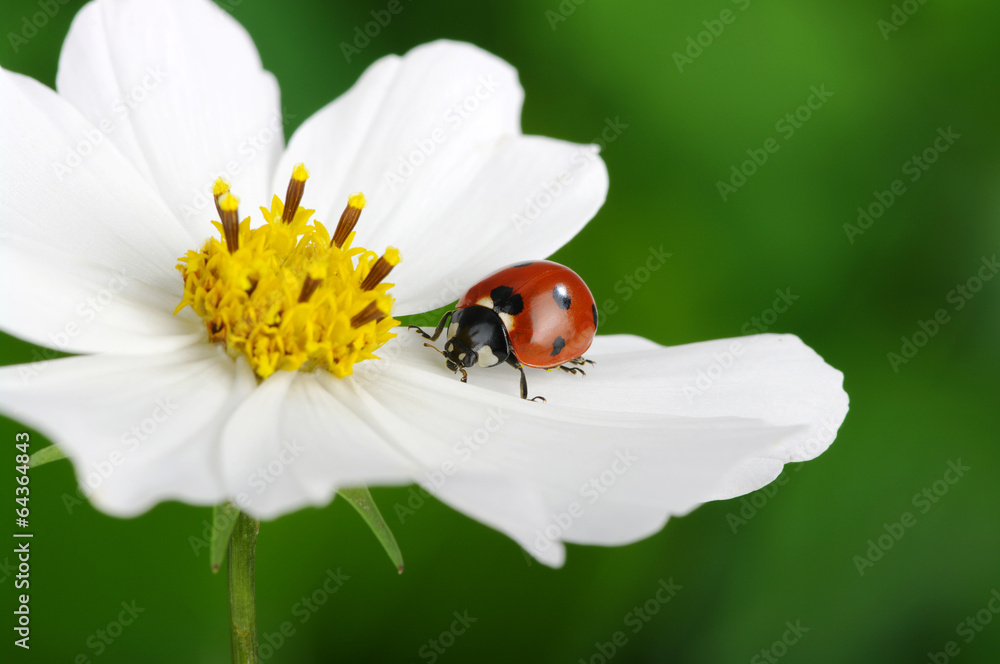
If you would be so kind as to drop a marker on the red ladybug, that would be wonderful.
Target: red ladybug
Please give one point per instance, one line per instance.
(536, 314)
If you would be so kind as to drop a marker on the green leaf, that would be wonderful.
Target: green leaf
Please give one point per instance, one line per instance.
(365, 505)
(45, 455)
(224, 518)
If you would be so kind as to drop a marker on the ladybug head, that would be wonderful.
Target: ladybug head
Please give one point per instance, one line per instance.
(476, 336)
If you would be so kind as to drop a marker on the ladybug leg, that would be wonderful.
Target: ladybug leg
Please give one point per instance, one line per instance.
(578, 361)
(442, 324)
(524, 384)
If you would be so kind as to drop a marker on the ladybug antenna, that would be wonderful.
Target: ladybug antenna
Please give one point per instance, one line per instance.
(451, 365)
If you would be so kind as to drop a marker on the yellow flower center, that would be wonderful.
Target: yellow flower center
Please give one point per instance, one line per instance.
(287, 295)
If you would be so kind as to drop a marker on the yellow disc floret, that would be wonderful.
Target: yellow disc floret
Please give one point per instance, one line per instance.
(285, 295)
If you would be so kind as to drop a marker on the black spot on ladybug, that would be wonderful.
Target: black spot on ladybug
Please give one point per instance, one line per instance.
(505, 301)
(561, 296)
(595, 316)
(558, 345)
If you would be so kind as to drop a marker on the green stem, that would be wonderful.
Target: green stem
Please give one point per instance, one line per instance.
(242, 607)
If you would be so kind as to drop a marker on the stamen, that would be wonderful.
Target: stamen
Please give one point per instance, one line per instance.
(383, 266)
(229, 212)
(293, 196)
(349, 219)
(367, 315)
(220, 187)
(309, 287)
(289, 298)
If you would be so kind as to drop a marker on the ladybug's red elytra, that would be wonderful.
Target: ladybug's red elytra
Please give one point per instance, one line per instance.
(535, 314)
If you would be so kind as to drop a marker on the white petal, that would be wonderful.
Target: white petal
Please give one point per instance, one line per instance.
(180, 87)
(597, 476)
(297, 439)
(69, 234)
(776, 378)
(770, 377)
(481, 195)
(507, 504)
(139, 430)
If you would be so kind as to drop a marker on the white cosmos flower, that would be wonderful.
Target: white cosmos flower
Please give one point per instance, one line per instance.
(107, 182)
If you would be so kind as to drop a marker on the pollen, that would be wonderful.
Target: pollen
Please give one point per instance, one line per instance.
(287, 295)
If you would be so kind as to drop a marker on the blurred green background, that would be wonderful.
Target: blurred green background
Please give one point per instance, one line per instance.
(684, 125)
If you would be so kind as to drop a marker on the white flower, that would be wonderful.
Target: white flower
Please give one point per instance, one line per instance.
(105, 184)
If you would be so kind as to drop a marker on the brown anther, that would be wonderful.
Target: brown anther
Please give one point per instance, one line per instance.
(309, 287)
(348, 220)
(383, 266)
(367, 315)
(293, 195)
(228, 206)
(220, 187)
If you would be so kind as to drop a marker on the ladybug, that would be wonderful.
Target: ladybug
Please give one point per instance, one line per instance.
(536, 314)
